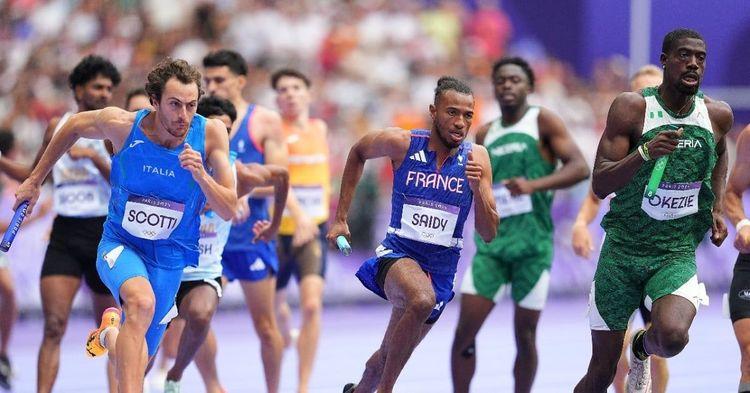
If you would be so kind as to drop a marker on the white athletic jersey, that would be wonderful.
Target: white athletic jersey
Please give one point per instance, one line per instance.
(80, 189)
(214, 233)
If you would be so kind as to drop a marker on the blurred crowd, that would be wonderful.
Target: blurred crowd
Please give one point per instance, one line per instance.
(373, 63)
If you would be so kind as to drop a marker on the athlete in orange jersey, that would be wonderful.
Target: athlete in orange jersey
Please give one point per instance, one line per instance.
(310, 179)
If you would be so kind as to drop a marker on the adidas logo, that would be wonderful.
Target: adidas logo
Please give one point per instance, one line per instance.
(258, 265)
(419, 156)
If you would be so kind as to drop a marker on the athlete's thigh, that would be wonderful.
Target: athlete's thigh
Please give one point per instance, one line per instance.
(676, 275)
(58, 292)
(739, 290)
(165, 283)
(404, 281)
(617, 288)
(530, 277)
(742, 333)
(259, 296)
(487, 277)
(309, 259)
(199, 301)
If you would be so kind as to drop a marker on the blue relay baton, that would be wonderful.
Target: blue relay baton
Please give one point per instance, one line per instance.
(15, 225)
(343, 245)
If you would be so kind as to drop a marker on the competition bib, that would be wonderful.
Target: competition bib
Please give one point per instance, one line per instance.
(311, 200)
(672, 201)
(508, 205)
(76, 197)
(151, 218)
(428, 221)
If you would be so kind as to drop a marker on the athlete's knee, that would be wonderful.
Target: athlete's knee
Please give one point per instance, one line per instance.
(745, 358)
(526, 339)
(200, 317)
(466, 351)
(140, 307)
(266, 330)
(672, 340)
(54, 328)
(421, 304)
(311, 309)
(601, 374)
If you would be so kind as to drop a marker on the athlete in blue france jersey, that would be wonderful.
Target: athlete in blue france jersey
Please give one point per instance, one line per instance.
(436, 174)
(201, 285)
(160, 183)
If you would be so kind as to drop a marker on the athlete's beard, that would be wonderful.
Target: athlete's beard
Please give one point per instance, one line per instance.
(448, 143)
(688, 90)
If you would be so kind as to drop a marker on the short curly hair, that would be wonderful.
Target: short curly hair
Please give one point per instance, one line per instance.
(171, 68)
(516, 61)
(88, 69)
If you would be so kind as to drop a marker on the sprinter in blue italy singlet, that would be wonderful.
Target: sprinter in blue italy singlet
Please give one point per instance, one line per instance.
(243, 259)
(145, 234)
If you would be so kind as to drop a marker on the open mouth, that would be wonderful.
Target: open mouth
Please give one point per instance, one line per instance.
(690, 79)
(456, 136)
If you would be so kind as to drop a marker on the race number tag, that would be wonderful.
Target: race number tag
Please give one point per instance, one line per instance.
(311, 200)
(78, 196)
(672, 201)
(428, 221)
(151, 218)
(508, 205)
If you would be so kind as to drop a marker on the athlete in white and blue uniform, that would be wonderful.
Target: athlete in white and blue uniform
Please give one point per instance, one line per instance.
(160, 183)
(436, 177)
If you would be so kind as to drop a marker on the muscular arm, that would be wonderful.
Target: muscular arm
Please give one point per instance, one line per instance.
(722, 121)
(739, 179)
(250, 176)
(614, 167)
(574, 168)
(108, 123)
(392, 143)
(20, 172)
(486, 218)
(219, 189)
(112, 123)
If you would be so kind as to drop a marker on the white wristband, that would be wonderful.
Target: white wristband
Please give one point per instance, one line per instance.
(743, 223)
(643, 155)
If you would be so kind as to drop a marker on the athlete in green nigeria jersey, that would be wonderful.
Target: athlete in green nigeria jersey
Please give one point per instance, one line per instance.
(525, 145)
(649, 250)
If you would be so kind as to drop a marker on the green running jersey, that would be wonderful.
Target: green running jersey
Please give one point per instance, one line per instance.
(514, 152)
(677, 217)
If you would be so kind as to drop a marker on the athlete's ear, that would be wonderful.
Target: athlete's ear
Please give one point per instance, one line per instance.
(241, 80)
(663, 60)
(433, 111)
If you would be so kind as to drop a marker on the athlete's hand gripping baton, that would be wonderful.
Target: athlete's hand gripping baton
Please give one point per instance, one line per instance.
(343, 245)
(15, 225)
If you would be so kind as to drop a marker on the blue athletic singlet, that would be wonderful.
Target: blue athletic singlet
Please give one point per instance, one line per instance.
(156, 203)
(152, 228)
(248, 151)
(429, 206)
